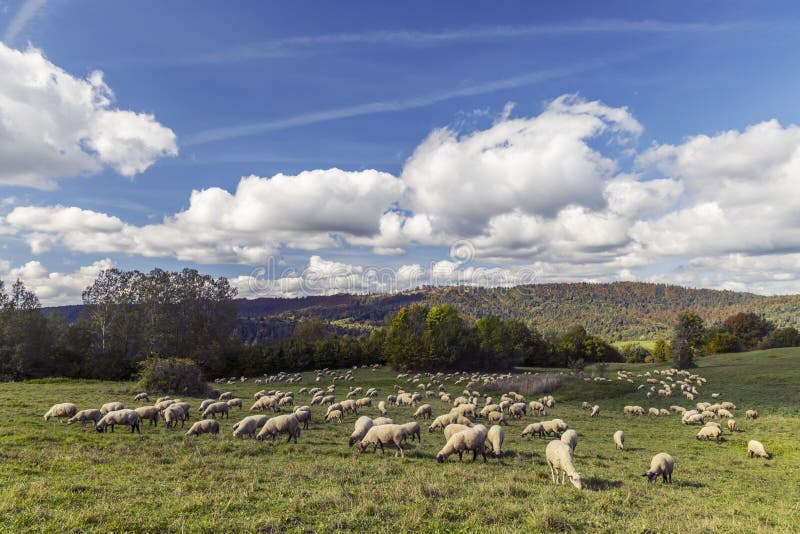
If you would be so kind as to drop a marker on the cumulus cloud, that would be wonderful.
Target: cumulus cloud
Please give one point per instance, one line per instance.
(54, 125)
(54, 288)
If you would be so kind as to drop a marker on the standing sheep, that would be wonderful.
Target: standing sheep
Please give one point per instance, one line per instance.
(65, 409)
(214, 409)
(235, 402)
(595, 411)
(111, 407)
(141, 396)
(750, 414)
(281, 424)
(205, 426)
(731, 425)
(425, 411)
(413, 429)
(150, 413)
(495, 437)
(362, 426)
(121, 417)
(662, 464)
(247, 426)
(382, 407)
(303, 416)
(86, 415)
(377, 436)
(756, 448)
(570, 437)
(708, 432)
(559, 458)
(619, 439)
(334, 415)
(449, 430)
(472, 439)
(534, 428)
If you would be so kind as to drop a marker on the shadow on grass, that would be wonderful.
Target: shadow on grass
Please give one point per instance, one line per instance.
(601, 484)
(685, 484)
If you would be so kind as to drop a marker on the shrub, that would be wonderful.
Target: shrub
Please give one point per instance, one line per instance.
(180, 376)
(634, 353)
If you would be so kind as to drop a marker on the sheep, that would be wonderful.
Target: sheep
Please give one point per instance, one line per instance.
(334, 415)
(382, 407)
(708, 432)
(619, 440)
(534, 428)
(694, 419)
(225, 396)
(205, 426)
(413, 429)
(281, 424)
(86, 415)
(538, 407)
(570, 437)
(731, 425)
(141, 396)
(150, 413)
(377, 436)
(235, 402)
(663, 411)
(728, 405)
(586, 406)
(497, 417)
(214, 409)
(751, 414)
(303, 416)
(489, 408)
(266, 403)
(495, 437)
(595, 411)
(65, 409)
(378, 421)
(111, 407)
(162, 399)
(183, 406)
(121, 417)
(362, 426)
(714, 424)
(559, 458)
(756, 448)
(205, 404)
(473, 439)
(248, 426)
(162, 404)
(449, 430)
(260, 420)
(517, 410)
(364, 402)
(652, 411)
(425, 411)
(172, 415)
(662, 464)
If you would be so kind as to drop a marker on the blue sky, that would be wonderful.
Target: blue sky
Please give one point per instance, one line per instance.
(440, 142)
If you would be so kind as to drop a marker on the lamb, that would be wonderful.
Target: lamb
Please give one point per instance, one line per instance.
(413, 429)
(281, 424)
(65, 409)
(362, 426)
(662, 464)
(377, 436)
(85, 415)
(534, 428)
(382, 407)
(619, 439)
(425, 411)
(150, 413)
(570, 437)
(334, 415)
(214, 409)
(235, 402)
(750, 414)
(559, 457)
(708, 432)
(111, 407)
(731, 425)
(248, 426)
(121, 417)
(473, 439)
(205, 426)
(141, 396)
(496, 436)
(449, 430)
(756, 448)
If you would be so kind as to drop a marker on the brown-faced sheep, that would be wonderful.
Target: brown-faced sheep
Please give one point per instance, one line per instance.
(662, 464)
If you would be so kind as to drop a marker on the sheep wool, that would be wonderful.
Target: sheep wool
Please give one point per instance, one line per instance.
(570, 437)
(560, 459)
(662, 464)
(378, 436)
(756, 448)
(473, 439)
(120, 417)
(709, 432)
(111, 407)
(619, 439)
(413, 429)
(281, 424)
(495, 437)
(534, 428)
(362, 426)
(64, 409)
(86, 415)
(449, 430)
(205, 426)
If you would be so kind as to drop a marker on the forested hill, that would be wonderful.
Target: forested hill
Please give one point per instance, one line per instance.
(616, 311)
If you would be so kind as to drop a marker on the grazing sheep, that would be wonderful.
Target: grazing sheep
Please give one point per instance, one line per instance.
(662, 464)
(364, 402)
(382, 407)
(303, 416)
(281, 424)
(162, 404)
(248, 426)
(111, 407)
(619, 439)
(722, 412)
(449, 430)
(266, 402)
(570, 437)
(65, 409)
(495, 437)
(205, 426)
(694, 419)
(205, 404)
(560, 459)
(413, 429)
(362, 426)
(260, 420)
(214, 409)
(595, 411)
(473, 439)
(378, 421)
(141, 396)
(425, 411)
(750, 414)
(497, 417)
(162, 399)
(756, 448)
(652, 411)
(586, 406)
(150, 413)
(235, 402)
(728, 405)
(172, 415)
(534, 428)
(225, 396)
(709, 432)
(663, 411)
(86, 415)
(334, 415)
(731, 425)
(377, 436)
(121, 417)
(538, 407)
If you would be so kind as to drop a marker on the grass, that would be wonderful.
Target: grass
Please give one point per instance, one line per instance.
(57, 478)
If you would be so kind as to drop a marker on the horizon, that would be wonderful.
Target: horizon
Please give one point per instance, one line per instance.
(368, 148)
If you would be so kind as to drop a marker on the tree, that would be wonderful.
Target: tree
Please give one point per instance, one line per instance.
(403, 344)
(748, 329)
(661, 350)
(688, 340)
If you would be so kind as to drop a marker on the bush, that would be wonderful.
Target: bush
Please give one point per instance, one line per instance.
(634, 353)
(180, 376)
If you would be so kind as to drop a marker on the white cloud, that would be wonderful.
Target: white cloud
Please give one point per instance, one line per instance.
(54, 288)
(54, 125)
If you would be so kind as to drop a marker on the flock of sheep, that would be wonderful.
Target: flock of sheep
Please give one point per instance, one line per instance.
(461, 434)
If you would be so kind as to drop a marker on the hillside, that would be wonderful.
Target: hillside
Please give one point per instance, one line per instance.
(615, 311)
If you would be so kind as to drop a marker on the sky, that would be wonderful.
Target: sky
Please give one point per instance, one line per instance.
(301, 148)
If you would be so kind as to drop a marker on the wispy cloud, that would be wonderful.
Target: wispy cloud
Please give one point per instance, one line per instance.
(288, 46)
(25, 13)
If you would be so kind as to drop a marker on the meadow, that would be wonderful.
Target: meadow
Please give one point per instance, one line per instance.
(60, 478)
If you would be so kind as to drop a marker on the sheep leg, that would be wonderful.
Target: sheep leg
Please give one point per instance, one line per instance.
(290, 438)
(381, 444)
(552, 474)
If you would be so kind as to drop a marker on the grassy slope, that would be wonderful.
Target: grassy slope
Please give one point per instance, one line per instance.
(55, 477)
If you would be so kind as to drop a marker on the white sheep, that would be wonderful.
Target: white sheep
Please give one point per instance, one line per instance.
(260, 420)
(619, 439)
(111, 407)
(121, 417)
(362, 426)
(213, 409)
(64, 409)
(303, 416)
(378, 436)
(662, 464)
(281, 424)
(570, 437)
(334, 415)
(495, 437)
(497, 417)
(378, 421)
(731, 425)
(449, 430)
(248, 426)
(560, 459)
(595, 411)
(205, 404)
(722, 412)
(425, 411)
(225, 396)
(750, 414)
(86, 415)
(473, 439)
(534, 428)
(756, 448)
(235, 402)
(141, 396)
(205, 426)
(172, 415)
(709, 432)
(413, 429)
(382, 407)
(149, 413)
